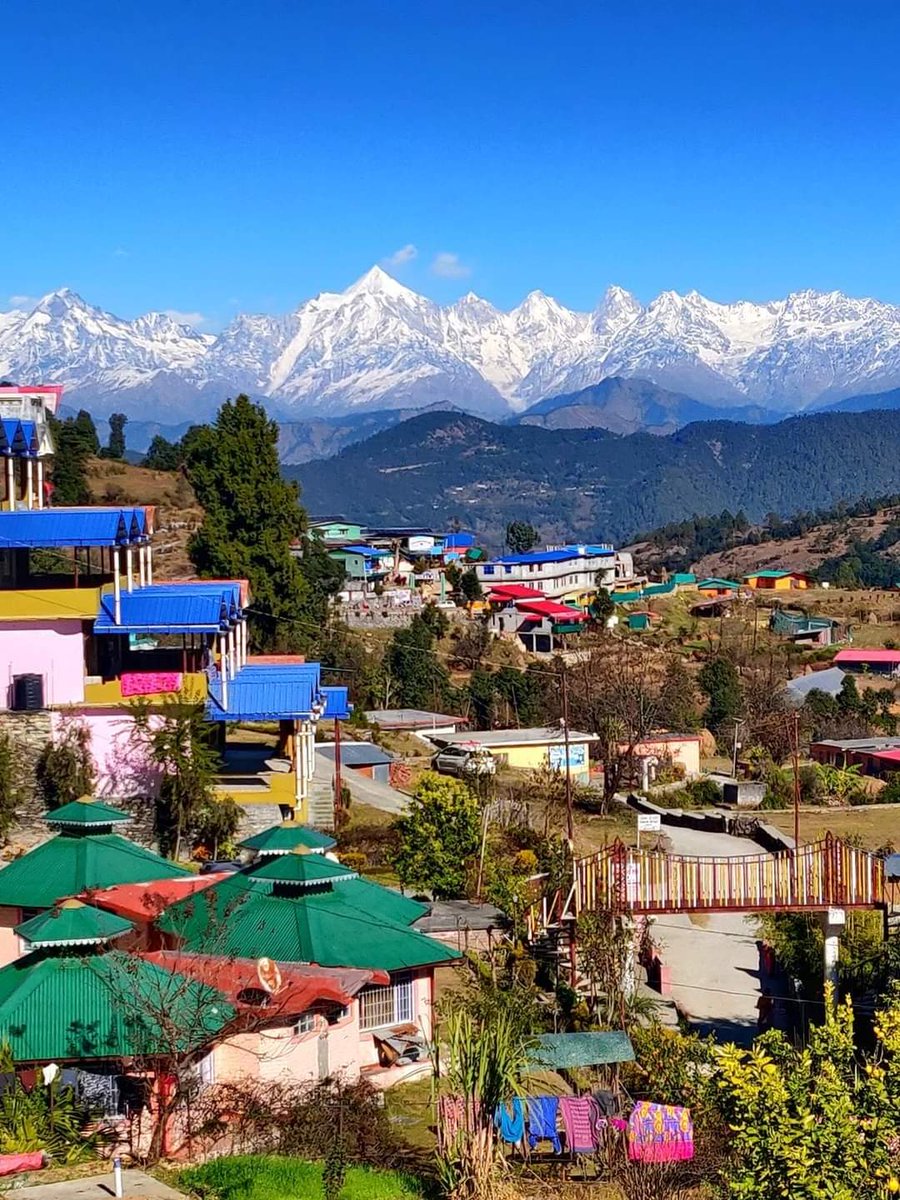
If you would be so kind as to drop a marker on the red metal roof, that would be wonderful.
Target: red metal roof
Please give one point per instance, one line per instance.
(550, 608)
(145, 901)
(514, 591)
(884, 755)
(868, 656)
(301, 986)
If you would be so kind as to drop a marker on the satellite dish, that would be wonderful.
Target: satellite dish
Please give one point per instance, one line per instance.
(269, 975)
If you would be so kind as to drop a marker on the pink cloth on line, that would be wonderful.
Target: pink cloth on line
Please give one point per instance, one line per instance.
(660, 1133)
(147, 683)
(11, 1164)
(579, 1114)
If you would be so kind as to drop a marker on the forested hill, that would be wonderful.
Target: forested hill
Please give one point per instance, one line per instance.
(593, 484)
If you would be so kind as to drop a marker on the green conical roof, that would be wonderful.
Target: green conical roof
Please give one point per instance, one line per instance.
(302, 868)
(85, 814)
(287, 837)
(73, 923)
(69, 865)
(71, 1006)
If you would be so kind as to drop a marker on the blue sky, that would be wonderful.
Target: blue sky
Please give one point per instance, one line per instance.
(221, 157)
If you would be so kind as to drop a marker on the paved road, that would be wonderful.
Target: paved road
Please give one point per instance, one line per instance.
(363, 789)
(713, 958)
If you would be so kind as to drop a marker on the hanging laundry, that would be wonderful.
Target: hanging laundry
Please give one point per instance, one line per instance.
(618, 1124)
(660, 1133)
(99, 1092)
(542, 1112)
(579, 1114)
(509, 1120)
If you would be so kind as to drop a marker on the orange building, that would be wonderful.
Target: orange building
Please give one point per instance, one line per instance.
(777, 581)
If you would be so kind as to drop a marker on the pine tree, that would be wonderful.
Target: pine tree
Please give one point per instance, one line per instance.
(163, 455)
(252, 518)
(74, 442)
(115, 447)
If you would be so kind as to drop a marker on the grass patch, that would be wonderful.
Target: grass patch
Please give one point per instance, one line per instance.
(268, 1177)
(875, 827)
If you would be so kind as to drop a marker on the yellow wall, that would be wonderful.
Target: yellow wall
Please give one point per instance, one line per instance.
(532, 756)
(784, 584)
(193, 691)
(47, 604)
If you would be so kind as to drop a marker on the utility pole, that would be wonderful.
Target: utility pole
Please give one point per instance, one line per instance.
(338, 781)
(570, 814)
(795, 756)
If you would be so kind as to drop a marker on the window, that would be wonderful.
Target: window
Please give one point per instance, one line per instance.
(306, 1023)
(380, 1006)
(488, 570)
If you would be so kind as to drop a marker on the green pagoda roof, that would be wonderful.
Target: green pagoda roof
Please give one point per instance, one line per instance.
(73, 923)
(70, 864)
(309, 869)
(85, 814)
(355, 924)
(287, 837)
(75, 1006)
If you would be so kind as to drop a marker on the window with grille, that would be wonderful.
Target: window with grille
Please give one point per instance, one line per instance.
(391, 1005)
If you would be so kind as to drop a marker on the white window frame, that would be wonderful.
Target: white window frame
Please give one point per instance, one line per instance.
(381, 1007)
(306, 1023)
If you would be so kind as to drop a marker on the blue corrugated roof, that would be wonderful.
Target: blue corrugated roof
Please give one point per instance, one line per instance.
(563, 555)
(171, 608)
(266, 692)
(337, 705)
(57, 527)
(18, 437)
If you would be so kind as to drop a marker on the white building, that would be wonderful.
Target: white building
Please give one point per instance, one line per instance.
(560, 572)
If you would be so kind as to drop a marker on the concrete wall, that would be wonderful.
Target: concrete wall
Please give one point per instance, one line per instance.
(282, 1054)
(684, 752)
(533, 756)
(51, 649)
(121, 761)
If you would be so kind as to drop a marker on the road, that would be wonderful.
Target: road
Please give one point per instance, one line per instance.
(365, 790)
(713, 957)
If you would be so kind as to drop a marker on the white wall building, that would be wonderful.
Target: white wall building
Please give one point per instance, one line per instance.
(562, 571)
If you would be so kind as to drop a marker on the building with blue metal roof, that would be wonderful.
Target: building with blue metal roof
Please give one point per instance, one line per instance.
(570, 573)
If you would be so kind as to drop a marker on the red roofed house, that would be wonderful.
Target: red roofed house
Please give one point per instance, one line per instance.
(526, 613)
(878, 662)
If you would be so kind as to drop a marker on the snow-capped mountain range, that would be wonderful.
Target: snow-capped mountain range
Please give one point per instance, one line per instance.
(379, 345)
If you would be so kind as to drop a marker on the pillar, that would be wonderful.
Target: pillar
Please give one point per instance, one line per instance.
(40, 482)
(299, 764)
(117, 587)
(10, 485)
(129, 567)
(142, 575)
(833, 921)
(149, 562)
(232, 651)
(223, 670)
(29, 483)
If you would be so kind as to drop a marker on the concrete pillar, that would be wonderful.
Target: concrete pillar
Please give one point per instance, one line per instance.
(232, 652)
(129, 568)
(833, 922)
(149, 562)
(40, 482)
(117, 587)
(299, 764)
(629, 967)
(223, 670)
(10, 485)
(29, 483)
(142, 576)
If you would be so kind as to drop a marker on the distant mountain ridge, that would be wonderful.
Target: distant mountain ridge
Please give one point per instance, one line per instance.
(378, 345)
(592, 484)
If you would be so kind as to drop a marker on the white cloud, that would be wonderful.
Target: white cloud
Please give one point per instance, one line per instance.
(194, 319)
(119, 252)
(401, 257)
(21, 301)
(449, 266)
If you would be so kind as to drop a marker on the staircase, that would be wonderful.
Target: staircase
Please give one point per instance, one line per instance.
(256, 818)
(321, 803)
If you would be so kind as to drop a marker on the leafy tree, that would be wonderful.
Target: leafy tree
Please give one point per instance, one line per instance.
(720, 682)
(252, 518)
(65, 769)
(420, 679)
(440, 835)
(74, 440)
(436, 620)
(602, 606)
(482, 694)
(678, 708)
(524, 694)
(521, 537)
(178, 739)
(163, 455)
(470, 585)
(816, 1123)
(115, 447)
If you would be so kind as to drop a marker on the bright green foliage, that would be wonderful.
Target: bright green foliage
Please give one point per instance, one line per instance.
(64, 769)
(720, 682)
(602, 606)
(798, 941)
(469, 585)
(46, 1118)
(252, 518)
(270, 1177)
(440, 834)
(521, 536)
(817, 1124)
(419, 677)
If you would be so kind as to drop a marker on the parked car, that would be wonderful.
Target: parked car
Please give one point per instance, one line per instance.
(464, 761)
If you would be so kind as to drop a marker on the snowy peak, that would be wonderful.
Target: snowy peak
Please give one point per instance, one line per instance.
(379, 344)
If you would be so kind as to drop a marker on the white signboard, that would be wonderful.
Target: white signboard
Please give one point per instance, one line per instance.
(649, 822)
(418, 544)
(577, 757)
